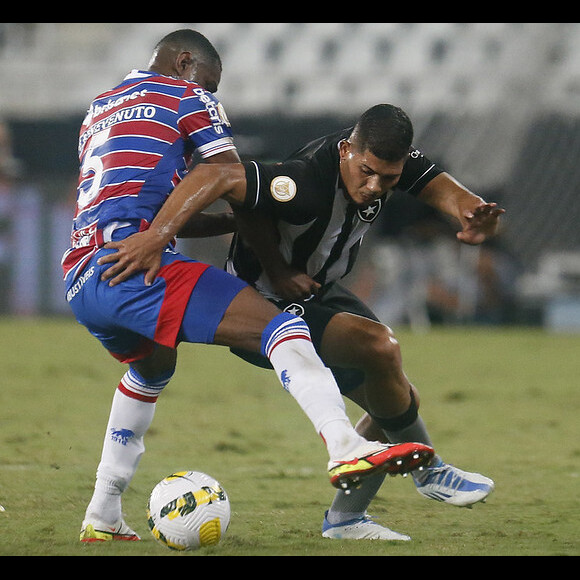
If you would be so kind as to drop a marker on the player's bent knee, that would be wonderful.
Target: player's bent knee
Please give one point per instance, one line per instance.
(161, 363)
(379, 345)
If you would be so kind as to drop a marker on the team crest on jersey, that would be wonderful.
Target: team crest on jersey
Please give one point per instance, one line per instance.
(370, 213)
(296, 309)
(222, 115)
(283, 188)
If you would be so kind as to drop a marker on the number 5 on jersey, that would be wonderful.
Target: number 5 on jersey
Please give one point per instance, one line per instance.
(92, 163)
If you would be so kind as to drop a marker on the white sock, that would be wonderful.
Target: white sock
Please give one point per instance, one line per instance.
(287, 344)
(131, 414)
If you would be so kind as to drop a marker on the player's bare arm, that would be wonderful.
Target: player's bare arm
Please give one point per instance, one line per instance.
(479, 219)
(259, 231)
(206, 225)
(198, 190)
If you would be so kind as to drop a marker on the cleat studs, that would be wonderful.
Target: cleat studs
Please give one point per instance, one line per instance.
(347, 485)
(415, 456)
(399, 462)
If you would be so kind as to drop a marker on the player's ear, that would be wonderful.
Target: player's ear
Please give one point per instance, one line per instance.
(183, 61)
(344, 148)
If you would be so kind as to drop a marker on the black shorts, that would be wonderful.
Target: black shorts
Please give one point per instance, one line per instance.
(317, 314)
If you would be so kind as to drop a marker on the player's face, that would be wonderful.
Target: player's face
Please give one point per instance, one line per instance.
(366, 177)
(207, 76)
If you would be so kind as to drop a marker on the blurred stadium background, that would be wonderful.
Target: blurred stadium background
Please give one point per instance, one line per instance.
(497, 104)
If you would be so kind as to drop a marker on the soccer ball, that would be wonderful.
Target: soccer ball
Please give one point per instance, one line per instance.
(188, 510)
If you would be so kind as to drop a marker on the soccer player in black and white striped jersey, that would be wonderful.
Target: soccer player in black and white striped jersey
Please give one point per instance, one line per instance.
(317, 206)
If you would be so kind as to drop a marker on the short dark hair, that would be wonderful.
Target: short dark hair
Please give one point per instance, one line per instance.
(386, 131)
(191, 40)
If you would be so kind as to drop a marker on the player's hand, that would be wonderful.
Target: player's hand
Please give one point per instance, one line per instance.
(137, 253)
(480, 223)
(295, 285)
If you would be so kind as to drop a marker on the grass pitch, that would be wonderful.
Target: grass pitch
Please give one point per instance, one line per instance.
(502, 402)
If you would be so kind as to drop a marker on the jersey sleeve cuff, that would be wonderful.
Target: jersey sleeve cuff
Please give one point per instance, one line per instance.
(215, 147)
(252, 185)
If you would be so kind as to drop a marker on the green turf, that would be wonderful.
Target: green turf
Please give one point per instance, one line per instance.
(503, 402)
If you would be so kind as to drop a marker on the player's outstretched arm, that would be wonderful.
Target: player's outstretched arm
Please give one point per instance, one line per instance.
(479, 220)
(198, 190)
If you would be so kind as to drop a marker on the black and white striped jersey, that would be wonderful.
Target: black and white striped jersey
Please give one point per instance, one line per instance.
(320, 229)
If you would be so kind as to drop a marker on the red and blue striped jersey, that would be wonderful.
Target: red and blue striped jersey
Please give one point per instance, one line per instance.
(135, 145)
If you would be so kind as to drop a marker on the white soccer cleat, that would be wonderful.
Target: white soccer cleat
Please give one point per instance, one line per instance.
(360, 529)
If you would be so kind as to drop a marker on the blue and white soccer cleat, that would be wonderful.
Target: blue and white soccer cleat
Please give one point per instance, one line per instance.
(360, 529)
(446, 483)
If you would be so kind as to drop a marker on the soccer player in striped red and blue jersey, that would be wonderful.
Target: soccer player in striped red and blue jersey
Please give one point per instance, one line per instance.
(135, 146)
